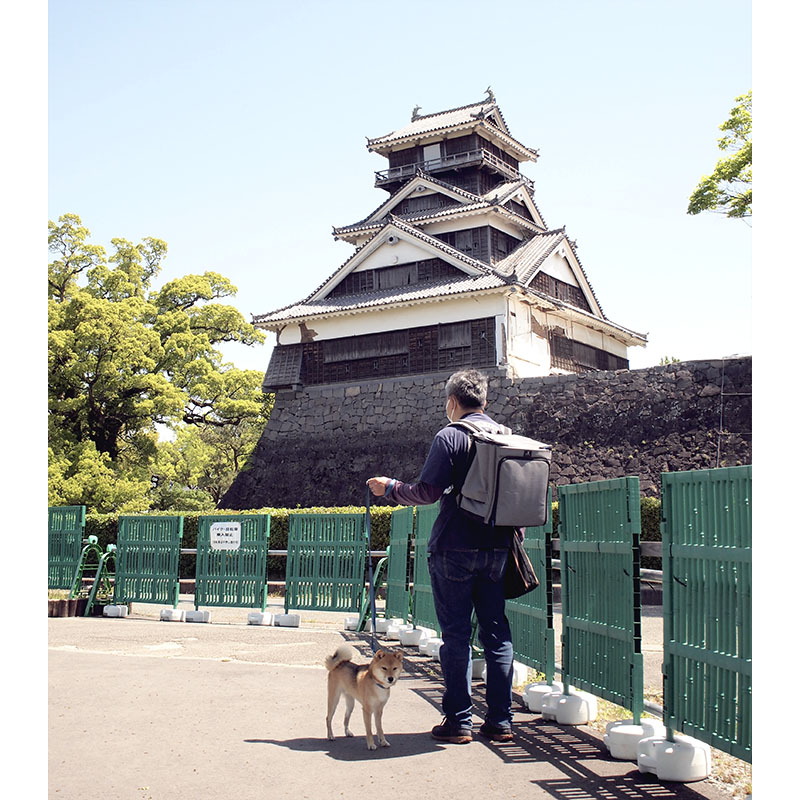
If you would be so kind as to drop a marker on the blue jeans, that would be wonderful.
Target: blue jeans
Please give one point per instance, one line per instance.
(462, 580)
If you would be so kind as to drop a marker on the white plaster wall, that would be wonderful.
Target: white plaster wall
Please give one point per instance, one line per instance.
(388, 255)
(390, 319)
(557, 266)
(528, 352)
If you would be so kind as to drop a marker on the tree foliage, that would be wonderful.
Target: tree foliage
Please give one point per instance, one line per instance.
(728, 189)
(125, 357)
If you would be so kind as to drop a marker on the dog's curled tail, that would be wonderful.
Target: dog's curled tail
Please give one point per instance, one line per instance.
(343, 653)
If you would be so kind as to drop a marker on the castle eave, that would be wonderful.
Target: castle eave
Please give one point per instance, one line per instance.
(307, 312)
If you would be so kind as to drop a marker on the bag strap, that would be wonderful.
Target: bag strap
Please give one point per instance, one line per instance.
(476, 427)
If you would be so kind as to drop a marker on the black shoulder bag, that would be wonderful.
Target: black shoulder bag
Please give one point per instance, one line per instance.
(520, 577)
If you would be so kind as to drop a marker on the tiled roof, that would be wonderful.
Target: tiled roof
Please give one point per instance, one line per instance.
(434, 122)
(469, 196)
(382, 297)
(493, 197)
(524, 260)
(428, 124)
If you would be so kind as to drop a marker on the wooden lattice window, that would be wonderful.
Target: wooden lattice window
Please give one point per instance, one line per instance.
(575, 356)
(405, 352)
(560, 290)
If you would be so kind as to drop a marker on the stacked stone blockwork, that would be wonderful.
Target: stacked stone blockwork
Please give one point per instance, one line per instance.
(322, 443)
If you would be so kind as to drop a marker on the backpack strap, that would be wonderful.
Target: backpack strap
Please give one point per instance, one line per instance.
(472, 428)
(476, 427)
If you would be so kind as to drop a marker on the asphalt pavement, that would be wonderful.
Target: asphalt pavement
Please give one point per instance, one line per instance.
(149, 710)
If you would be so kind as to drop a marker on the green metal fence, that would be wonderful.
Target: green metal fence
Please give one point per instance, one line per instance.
(423, 611)
(707, 563)
(325, 562)
(148, 549)
(399, 557)
(600, 527)
(64, 543)
(232, 561)
(531, 616)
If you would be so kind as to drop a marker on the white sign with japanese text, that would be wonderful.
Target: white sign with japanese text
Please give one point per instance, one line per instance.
(226, 535)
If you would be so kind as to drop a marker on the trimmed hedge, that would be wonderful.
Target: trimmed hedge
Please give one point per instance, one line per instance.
(104, 526)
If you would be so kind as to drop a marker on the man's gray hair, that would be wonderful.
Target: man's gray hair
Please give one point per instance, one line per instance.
(469, 387)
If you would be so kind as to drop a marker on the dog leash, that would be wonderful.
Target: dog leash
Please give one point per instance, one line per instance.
(373, 642)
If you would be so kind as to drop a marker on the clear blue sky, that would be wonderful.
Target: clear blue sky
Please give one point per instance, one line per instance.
(236, 132)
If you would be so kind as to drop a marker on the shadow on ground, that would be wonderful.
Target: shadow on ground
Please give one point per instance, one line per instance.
(578, 753)
(402, 745)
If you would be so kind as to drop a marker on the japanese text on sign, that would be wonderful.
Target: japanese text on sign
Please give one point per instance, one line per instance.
(226, 535)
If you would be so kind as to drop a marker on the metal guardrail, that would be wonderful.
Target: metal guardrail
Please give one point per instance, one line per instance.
(231, 568)
(148, 549)
(325, 562)
(708, 660)
(600, 526)
(464, 159)
(65, 526)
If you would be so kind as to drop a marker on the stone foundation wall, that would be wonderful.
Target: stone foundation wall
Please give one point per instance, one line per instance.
(322, 443)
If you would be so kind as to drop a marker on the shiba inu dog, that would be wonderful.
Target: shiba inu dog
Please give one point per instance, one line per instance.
(367, 683)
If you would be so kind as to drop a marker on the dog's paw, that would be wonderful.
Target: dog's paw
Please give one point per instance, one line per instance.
(372, 746)
(384, 743)
(331, 737)
(349, 733)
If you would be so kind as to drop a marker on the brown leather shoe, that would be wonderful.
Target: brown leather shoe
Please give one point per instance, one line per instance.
(496, 733)
(451, 732)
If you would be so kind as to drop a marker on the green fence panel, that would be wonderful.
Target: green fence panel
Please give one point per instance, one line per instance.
(64, 544)
(423, 611)
(325, 562)
(148, 549)
(531, 616)
(399, 557)
(232, 561)
(600, 529)
(707, 562)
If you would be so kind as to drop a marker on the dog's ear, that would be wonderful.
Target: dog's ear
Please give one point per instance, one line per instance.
(380, 654)
(399, 654)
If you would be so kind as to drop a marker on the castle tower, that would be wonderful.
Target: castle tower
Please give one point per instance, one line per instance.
(455, 268)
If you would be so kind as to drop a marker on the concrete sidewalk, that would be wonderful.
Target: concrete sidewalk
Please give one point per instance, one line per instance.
(145, 709)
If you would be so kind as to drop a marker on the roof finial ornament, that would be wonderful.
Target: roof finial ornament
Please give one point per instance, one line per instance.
(490, 94)
(415, 113)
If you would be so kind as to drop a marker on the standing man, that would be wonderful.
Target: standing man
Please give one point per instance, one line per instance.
(466, 561)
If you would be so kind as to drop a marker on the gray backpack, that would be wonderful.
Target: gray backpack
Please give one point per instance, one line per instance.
(507, 477)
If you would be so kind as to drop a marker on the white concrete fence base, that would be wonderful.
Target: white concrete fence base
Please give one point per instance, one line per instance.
(115, 611)
(394, 630)
(534, 694)
(576, 708)
(262, 618)
(478, 665)
(518, 677)
(172, 615)
(622, 737)
(350, 623)
(684, 760)
(431, 647)
(416, 637)
(382, 625)
(286, 620)
(198, 616)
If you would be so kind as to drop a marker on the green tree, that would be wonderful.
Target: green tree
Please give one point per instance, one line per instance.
(728, 189)
(206, 458)
(124, 357)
